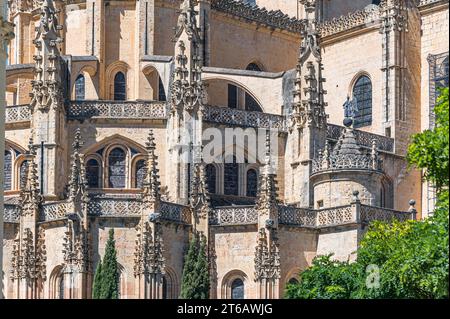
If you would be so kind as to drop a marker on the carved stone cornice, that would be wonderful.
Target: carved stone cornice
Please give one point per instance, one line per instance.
(254, 14)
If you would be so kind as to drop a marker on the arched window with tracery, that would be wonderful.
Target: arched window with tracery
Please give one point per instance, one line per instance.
(117, 168)
(120, 87)
(231, 178)
(237, 289)
(80, 87)
(362, 93)
(7, 170)
(93, 173)
(211, 178)
(252, 183)
(140, 174)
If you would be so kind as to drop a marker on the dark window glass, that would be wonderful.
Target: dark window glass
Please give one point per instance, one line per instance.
(231, 178)
(237, 289)
(7, 169)
(164, 288)
(80, 88)
(140, 173)
(251, 104)
(120, 87)
(211, 178)
(161, 91)
(362, 92)
(61, 287)
(293, 281)
(252, 183)
(232, 96)
(23, 174)
(253, 67)
(93, 173)
(117, 168)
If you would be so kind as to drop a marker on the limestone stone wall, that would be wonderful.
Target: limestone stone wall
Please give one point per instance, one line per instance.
(10, 232)
(236, 44)
(297, 250)
(336, 189)
(343, 243)
(54, 244)
(235, 251)
(434, 40)
(77, 30)
(344, 62)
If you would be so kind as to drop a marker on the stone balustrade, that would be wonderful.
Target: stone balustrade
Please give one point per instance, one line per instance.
(240, 215)
(234, 117)
(364, 139)
(175, 213)
(11, 213)
(372, 213)
(17, 114)
(81, 110)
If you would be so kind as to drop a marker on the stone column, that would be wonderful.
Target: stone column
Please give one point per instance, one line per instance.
(5, 35)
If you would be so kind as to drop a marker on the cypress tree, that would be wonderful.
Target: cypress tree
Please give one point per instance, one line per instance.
(202, 271)
(195, 279)
(187, 285)
(97, 284)
(110, 273)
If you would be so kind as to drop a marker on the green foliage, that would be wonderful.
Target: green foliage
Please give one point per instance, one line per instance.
(110, 273)
(195, 281)
(106, 279)
(96, 286)
(429, 149)
(411, 258)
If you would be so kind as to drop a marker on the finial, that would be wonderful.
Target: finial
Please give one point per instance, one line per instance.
(356, 196)
(150, 144)
(31, 149)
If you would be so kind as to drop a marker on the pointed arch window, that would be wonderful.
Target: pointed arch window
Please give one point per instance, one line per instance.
(211, 178)
(237, 289)
(80, 87)
(362, 92)
(252, 183)
(231, 178)
(161, 91)
(93, 173)
(117, 168)
(140, 174)
(7, 169)
(120, 87)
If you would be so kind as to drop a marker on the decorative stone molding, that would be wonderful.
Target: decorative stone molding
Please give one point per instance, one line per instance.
(148, 255)
(225, 216)
(353, 20)
(423, 3)
(175, 213)
(81, 110)
(11, 213)
(234, 117)
(272, 19)
(267, 257)
(16, 6)
(370, 213)
(363, 139)
(289, 215)
(17, 114)
(47, 84)
(54, 211)
(347, 155)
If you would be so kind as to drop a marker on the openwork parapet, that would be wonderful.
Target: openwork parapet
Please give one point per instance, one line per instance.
(364, 139)
(371, 213)
(11, 213)
(235, 216)
(80, 110)
(346, 161)
(175, 213)
(233, 117)
(17, 113)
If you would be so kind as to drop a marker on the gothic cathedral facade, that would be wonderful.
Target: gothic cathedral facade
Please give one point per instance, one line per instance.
(111, 105)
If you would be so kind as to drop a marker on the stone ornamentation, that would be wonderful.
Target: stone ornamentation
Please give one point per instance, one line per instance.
(267, 257)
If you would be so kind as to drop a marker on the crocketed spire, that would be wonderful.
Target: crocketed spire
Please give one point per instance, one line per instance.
(30, 196)
(267, 197)
(77, 181)
(151, 182)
